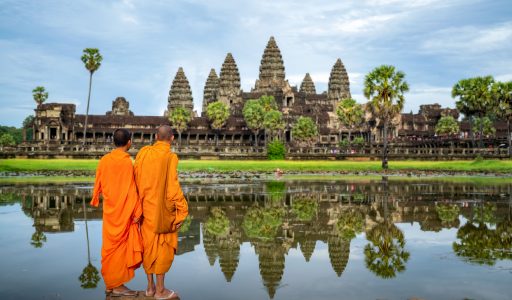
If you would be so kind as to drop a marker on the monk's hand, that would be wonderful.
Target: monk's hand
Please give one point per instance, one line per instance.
(178, 225)
(136, 220)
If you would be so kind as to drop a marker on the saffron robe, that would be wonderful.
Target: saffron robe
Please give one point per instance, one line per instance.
(151, 165)
(121, 250)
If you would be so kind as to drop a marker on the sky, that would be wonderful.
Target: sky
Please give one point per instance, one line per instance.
(143, 43)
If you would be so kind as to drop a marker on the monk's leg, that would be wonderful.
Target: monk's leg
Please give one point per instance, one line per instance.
(151, 289)
(161, 291)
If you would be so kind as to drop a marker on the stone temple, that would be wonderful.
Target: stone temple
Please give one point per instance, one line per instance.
(59, 129)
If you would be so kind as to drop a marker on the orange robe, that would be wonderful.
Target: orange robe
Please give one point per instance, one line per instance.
(121, 251)
(150, 174)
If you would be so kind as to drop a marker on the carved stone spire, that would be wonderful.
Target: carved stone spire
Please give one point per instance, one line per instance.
(272, 75)
(339, 86)
(307, 86)
(210, 89)
(180, 93)
(229, 82)
(339, 252)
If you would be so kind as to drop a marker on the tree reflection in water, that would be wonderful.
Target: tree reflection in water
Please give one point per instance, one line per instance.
(263, 223)
(304, 209)
(38, 239)
(90, 276)
(481, 244)
(385, 255)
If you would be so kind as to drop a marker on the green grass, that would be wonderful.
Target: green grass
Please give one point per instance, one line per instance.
(220, 166)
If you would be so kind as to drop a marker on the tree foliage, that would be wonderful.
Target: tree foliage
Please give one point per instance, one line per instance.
(273, 122)
(39, 94)
(305, 131)
(179, 118)
(92, 59)
(350, 114)
(218, 113)
(485, 126)
(447, 125)
(263, 223)
(254, 115)
(7, 140)
(385, 255)
(90, 277)
(475, 98)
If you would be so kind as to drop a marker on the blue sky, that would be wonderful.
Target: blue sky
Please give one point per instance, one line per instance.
(435, 42)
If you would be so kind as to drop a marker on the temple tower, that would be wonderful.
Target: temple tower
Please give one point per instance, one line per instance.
(120, 107)
(339, 86)
(308, 86)
(272, 75)
(180, 93)
(211, 89)
(229, 82)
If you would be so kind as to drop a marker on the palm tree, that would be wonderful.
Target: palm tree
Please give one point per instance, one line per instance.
(475, 99)
(385, 88)
(502, 91)
(350, 114)
(92, 60)
(40, 95)
(218, 113)
(179, 119)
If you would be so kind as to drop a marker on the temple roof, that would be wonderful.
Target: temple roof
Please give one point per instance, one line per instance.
(272, 73)
(307, 86)
(180, 93)
(210, 89)
(339, 85)
(229, 76)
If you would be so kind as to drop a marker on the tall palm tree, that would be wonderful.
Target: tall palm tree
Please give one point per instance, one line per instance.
(40, 95)
(385, 88)
(92, 60)
(475, 99)
(179, 119)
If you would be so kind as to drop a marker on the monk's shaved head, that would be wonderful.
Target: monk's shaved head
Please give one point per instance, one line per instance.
(164, 133)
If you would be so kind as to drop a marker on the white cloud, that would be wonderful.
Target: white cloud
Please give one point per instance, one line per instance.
(469, 39)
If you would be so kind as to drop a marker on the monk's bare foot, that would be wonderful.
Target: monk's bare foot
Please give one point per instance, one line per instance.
(150, 291)
(123, 291)
(166, 294)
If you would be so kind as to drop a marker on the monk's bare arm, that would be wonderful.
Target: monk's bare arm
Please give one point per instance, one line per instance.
(97, 186)
(174, 192)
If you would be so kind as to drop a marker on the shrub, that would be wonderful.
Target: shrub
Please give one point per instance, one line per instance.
(276, 150)
(343, 143)
(358, 141)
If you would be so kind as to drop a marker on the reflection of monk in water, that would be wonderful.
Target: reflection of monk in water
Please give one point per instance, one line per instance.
(164, 209)
(121, 251)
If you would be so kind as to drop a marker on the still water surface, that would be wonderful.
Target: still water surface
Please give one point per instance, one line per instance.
(280, 240)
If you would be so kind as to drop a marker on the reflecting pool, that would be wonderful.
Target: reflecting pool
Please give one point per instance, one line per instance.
(366, 239)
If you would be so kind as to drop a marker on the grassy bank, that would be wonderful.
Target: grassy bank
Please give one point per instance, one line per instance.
(221, 166)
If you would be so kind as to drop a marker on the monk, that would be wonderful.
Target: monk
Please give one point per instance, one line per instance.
(164, 209)
(121, 251)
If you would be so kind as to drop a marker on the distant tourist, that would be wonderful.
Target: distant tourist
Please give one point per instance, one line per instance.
(121, 251)
(279, 172)
(164, 209)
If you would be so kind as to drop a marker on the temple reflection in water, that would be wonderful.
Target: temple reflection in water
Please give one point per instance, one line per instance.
(275, 217)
